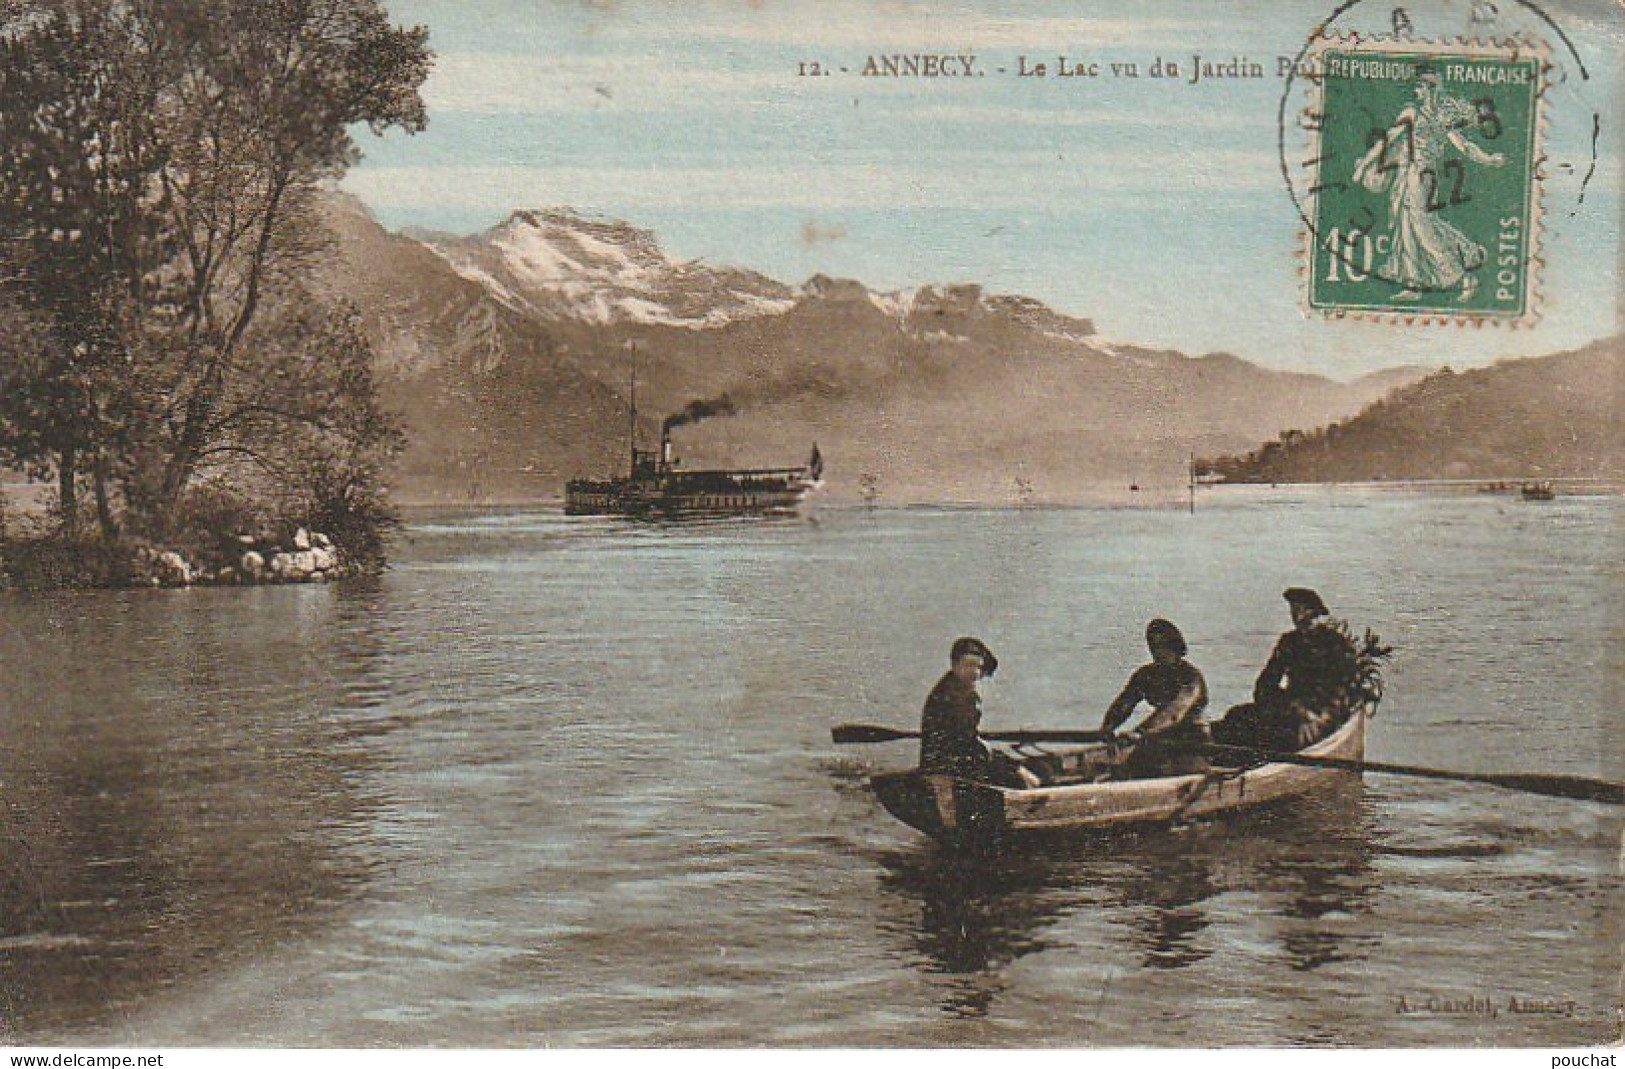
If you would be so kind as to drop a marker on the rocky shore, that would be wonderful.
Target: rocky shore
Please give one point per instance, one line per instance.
(251, 560)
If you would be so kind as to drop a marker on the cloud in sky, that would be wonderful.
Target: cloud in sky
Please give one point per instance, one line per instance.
(542, 25)
(877, 26)
(500, 83)
(816, 233)
(1032, 181)
(1089, 117)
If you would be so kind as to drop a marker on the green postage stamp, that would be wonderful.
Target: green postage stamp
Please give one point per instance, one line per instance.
(1425, 196)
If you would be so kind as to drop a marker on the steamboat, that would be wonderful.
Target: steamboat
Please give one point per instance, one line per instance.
(657, 486)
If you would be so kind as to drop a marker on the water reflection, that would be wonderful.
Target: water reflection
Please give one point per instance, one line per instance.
(177, 814)
(549, 788)
(1324, 875)
(1174, 899)
(977, 915)
(1162, 904)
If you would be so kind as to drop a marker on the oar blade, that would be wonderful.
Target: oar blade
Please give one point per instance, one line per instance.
(863, 733)
(1578, 787)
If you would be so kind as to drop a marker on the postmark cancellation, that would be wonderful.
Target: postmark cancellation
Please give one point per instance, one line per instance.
(1423, 180)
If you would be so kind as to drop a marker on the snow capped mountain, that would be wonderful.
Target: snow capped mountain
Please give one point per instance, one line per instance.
(558, 264)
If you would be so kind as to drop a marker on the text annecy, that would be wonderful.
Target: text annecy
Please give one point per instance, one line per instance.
(919, 65)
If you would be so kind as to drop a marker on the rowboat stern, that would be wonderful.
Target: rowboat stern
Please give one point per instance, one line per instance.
(943, 807)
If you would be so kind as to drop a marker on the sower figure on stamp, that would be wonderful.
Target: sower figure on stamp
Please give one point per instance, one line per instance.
(1425, 253)
(1177, 694)
(1302, 693)
(949, 743)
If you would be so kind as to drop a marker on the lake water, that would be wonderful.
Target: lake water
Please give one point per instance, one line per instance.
(569, 782)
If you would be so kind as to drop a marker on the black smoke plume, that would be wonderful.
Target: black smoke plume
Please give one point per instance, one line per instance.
(695, 411)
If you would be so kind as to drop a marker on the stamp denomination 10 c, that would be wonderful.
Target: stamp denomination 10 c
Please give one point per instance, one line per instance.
(1425, 198)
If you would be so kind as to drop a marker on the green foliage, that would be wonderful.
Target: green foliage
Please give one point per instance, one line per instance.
(205, 525)
(351, 508)
(1360, 666)
(312, 432)
(81, 243)
(307, 447)
(30, 411)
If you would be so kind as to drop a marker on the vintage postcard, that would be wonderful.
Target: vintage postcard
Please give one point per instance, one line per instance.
(848, 524)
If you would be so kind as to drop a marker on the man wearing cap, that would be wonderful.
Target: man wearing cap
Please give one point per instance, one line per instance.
(1176, 693)
(1300, 692)
(949, 743)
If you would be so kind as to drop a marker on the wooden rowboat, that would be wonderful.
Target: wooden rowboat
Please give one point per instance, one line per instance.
(960, 811)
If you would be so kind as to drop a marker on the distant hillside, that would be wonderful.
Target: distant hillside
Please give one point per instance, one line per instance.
(1560, 416)
(507, 352)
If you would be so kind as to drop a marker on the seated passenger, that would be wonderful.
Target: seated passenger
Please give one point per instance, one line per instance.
(1301, 695)
(949, 743)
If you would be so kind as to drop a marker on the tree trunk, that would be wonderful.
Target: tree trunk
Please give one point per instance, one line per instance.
(104, 505)
(181, 463)
(67, 493)
(177, 474)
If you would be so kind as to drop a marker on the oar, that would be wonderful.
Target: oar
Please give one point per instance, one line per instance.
(844, 733)
(1581, 787)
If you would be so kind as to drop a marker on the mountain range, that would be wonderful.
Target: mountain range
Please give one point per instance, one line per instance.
(510, 356)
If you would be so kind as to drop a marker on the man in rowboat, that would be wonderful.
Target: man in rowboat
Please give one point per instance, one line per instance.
(1302, 691)
(949, 743)
(1177, 694)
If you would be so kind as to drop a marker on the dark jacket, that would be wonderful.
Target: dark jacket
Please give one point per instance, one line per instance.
(948, 740)
(1175, 690)
(1309, 669)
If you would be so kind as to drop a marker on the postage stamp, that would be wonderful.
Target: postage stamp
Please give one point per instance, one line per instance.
(1425, 184)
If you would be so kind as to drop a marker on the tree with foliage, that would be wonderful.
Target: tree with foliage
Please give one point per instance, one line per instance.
(75, 161)
(160, 162)
(308, 433)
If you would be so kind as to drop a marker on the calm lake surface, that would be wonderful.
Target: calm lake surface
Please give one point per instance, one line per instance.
(569, 782)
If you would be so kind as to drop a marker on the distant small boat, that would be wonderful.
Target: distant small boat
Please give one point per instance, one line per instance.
(1541, 491)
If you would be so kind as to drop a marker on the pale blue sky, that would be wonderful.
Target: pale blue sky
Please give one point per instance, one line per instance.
(1152, 206)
